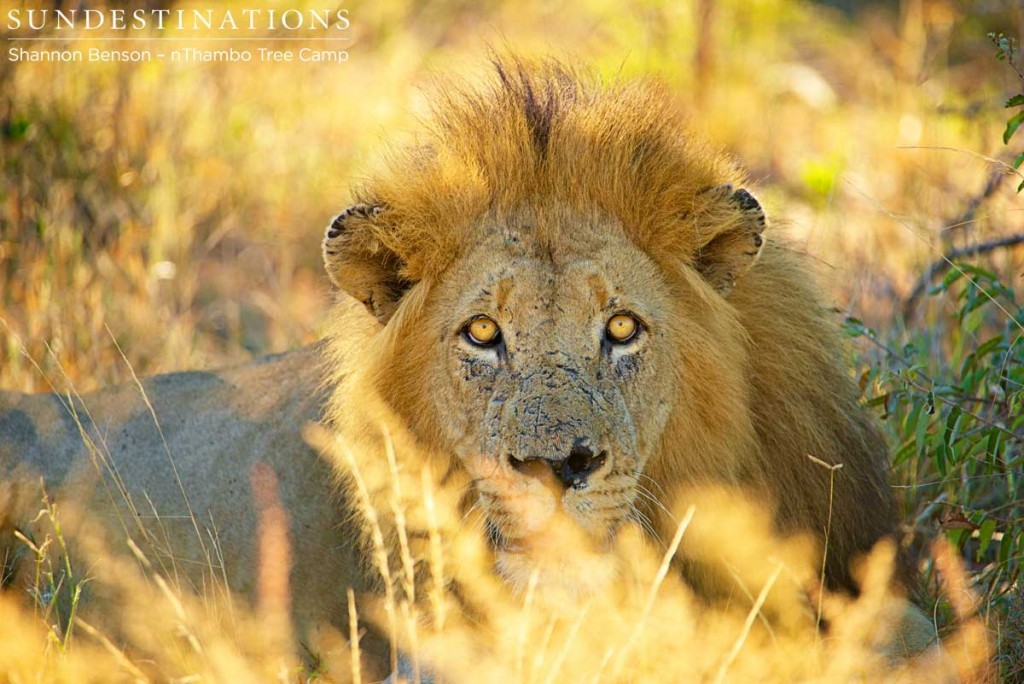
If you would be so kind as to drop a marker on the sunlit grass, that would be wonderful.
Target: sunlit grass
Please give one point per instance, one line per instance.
(188, 198)
(647, 625)
(178, 208)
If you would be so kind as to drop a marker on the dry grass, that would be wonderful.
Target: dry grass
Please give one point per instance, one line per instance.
(180, 207)
(646, 626)
(188, 199)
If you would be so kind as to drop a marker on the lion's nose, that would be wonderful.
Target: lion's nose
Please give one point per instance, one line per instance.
(572, 470)
(580, 464)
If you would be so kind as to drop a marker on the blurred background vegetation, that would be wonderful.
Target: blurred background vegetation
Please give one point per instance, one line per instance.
(178, 208)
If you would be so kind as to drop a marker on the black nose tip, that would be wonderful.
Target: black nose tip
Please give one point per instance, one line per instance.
(579, 466)
(571, 471)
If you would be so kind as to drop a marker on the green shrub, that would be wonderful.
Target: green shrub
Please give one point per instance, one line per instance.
(951, 397)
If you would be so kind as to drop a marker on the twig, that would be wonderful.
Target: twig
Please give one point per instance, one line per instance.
(939, 267)
(652, 593)
(353, 638)
(747, 624)
(828, 529)
(968, 215)
(949, 402)
(119, 655)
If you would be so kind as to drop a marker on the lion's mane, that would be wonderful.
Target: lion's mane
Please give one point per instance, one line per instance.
(772, 388)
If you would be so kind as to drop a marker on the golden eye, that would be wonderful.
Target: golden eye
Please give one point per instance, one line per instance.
(483, 331)
(621, 328)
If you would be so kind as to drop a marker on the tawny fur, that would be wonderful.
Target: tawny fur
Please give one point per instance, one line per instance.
(757, 377)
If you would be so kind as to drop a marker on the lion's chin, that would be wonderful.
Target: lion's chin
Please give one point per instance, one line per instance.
(556, 572)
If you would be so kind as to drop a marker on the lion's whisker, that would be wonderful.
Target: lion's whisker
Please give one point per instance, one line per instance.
(654, 483)
(635, 515)
(646, 494)
(469, 511)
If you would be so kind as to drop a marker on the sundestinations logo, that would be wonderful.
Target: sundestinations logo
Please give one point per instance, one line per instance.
(246, 34)
(245, 19)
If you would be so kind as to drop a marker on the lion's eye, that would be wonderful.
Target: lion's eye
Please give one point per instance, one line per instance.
(483, 332)
(621, 328)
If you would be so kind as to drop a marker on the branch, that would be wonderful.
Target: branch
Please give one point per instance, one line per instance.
(939, 267)
(966, 218)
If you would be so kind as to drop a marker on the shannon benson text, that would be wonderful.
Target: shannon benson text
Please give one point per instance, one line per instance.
(187, 54)
(17, 54)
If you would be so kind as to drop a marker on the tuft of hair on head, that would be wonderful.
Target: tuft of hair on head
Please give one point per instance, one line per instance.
(539, 134)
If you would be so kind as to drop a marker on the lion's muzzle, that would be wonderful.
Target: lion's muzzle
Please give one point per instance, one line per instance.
(572, 470)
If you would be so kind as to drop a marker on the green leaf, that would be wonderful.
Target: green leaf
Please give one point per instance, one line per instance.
(1011, 126)
(985, 536)
(903, 453)
(921, 431)
(952, 427)
(974, 452)
(969, 362)
(911, 419)
(880, 400)
(989, 346)
(16, 129)
(1006, 548)
(979, 271)
(1015, 101)
(1018, 160)
(995, 439)
(957, 536)
(975, 318)
(952, 276)
(941, 458)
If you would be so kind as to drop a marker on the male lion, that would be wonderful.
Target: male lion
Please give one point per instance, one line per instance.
(571, 304)
(568, 302)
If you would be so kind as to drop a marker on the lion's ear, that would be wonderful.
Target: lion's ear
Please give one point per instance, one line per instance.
(736, 242)
(359, 264)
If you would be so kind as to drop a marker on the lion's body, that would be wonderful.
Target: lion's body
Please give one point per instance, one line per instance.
(215, 425)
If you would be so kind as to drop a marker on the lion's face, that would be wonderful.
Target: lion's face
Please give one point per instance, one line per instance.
(549, 360)
(551, 285)
(550, 379)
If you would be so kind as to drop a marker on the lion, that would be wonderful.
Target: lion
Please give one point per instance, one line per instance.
(570, 303)
(574, 308)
